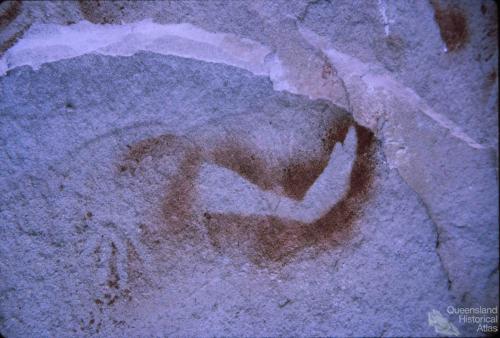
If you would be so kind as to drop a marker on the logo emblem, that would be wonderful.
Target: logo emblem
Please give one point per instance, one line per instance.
(441, 324)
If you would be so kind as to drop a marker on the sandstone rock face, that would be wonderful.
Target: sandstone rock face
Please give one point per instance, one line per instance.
(247, 168)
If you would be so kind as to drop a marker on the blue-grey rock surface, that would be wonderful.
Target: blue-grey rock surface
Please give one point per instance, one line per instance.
(247, 168)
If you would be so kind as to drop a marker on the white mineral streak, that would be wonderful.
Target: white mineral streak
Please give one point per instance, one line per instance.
(46, 43)
(373, 90)
(383, 13)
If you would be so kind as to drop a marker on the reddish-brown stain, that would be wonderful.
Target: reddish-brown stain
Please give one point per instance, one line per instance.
(299, 175)
(491, 78)
(240, 157)
(272, 240)
(154, 147)
(10, 13)
(177, 208)
(452, 24)
(134, 264)
(292, 178)
(265, 240)
(100, 11)
(113, 278)
(395, 43)
(11, 41)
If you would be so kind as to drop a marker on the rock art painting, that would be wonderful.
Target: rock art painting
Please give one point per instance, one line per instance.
(266, 239)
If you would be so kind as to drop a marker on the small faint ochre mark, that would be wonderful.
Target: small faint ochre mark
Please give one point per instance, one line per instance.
(395, 43)
(114, 278)
(113, 292)
(327, 70)
(150, 147)
(483, 9)
(97, 254)
(154, 147)
(490, 79)
(10, 13)
(11, 41)
(134, 268)
(100, 11)
(452, 24)
(134, 264)
(89, 325)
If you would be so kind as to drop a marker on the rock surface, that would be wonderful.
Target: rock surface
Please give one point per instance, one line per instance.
(287, 168)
